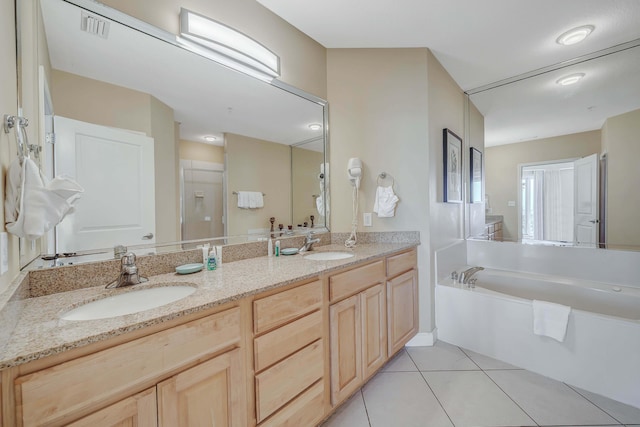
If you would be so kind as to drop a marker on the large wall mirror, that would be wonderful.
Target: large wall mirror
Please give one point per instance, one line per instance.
(164, 140)
(561, 159)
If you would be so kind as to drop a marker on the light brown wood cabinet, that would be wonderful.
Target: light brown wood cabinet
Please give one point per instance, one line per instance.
(289, 354)
(368, 327)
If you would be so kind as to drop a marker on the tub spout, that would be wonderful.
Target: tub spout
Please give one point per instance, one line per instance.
(466, 277)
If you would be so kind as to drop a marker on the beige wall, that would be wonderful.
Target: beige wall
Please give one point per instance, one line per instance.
(621, 142)
(119, 107)
(305, 167)
(303, 61)
(190, 150)
(501, 170)
(256, 165)
(378, 112)
(8, 105)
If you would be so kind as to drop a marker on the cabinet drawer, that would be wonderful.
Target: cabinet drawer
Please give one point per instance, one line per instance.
(280, 343)
(400, 263)
(350, 282)
(282, 382)
(305, 410)
(278, 309)
(90, 381)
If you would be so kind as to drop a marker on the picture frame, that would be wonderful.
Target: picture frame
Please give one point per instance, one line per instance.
(452, 167)
(475, 175)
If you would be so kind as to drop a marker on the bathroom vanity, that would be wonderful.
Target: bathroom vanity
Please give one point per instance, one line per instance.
(265, 341)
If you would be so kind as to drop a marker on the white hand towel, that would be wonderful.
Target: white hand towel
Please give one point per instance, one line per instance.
(255, 200)
(385, 203)
(550, 319)
(34, 205)
(243, 199)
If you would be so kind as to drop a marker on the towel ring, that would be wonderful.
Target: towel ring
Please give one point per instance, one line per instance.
(384, 176)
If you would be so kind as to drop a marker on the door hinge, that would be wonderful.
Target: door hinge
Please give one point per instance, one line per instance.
(50, 137)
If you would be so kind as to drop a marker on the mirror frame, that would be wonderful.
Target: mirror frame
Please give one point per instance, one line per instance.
(28, 260)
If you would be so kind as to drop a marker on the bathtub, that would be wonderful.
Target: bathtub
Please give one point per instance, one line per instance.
(601, 351)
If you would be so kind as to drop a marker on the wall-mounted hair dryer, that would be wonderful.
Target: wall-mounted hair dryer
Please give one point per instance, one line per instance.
(354, 170)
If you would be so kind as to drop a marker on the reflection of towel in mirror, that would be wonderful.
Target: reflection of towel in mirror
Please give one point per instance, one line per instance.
(250, 200)
(34, 204)
(385, 203)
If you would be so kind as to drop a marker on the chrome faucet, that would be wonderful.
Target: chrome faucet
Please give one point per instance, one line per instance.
(128, 273)
(308, 242)
(466, 277)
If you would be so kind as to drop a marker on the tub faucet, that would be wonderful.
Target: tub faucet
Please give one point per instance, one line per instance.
(128, 273)
(308, 242)
(466, 277)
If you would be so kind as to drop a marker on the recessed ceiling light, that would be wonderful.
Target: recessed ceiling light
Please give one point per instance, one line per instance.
(210, 138)
(315, 126)
(575, 35)
(570, 79)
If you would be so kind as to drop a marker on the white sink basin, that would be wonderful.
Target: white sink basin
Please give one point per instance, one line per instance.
(128, 303)
(328, 256)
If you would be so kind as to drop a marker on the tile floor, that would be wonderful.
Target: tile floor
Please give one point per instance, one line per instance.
(445, 385)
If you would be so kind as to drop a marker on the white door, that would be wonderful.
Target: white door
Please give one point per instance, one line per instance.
(586, 201)
(116, 169)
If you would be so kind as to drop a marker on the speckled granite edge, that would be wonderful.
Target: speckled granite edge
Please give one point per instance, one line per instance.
(379, 237)
(71, 277)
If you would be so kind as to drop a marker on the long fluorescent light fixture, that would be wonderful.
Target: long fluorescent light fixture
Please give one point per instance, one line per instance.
(228, 46)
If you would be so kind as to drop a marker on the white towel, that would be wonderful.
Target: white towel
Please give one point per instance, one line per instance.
(33, 204)
(385, 203)
(250, 200)
(550, 319)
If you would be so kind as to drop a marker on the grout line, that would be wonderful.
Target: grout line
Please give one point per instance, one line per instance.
(507, 394)
(430, 389)
(469, 357)
(593, 403)
(364, 402)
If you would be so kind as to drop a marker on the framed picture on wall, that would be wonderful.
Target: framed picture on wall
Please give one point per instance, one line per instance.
(452, 167)
(475, 175)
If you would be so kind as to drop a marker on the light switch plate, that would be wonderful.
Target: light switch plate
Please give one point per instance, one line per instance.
(4, 253)
(511, 204)
(366, 219)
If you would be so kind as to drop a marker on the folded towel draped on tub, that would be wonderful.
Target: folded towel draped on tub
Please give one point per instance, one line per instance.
(550, 319)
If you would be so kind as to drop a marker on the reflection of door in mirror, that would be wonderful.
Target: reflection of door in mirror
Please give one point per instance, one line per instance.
(115, 167)
(307, 183)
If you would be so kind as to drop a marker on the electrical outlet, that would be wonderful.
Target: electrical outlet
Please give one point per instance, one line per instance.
(366, 219)
(511, 204)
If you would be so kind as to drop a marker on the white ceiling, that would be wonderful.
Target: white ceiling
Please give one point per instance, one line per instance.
(484, 41)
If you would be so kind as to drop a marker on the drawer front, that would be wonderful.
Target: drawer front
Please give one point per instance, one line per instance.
(90, 381)
(305, 410)
(276, 386)
(280, 308)
(286, 340)
(400, 263)
(342, 285)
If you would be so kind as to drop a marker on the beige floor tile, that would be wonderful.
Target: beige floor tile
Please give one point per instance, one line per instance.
(351, 414)
(625, 414)
(472, 399)
(547, 401)
(402, 399)
(401, 362)
(441, 357)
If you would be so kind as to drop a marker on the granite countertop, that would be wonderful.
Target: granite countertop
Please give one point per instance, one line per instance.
(39, 331)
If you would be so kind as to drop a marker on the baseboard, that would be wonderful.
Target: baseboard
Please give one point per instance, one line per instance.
(423, 339)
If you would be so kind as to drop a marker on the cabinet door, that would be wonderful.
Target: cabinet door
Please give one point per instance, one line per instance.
(402, 303)
(346, 348)
(209, 394)
(135, 411)
(374, 329)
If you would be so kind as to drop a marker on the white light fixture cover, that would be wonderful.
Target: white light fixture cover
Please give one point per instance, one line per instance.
(575, 35)
(570, 79)
(228, 46)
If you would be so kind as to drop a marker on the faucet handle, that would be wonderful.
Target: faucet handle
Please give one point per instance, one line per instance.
(128, 259)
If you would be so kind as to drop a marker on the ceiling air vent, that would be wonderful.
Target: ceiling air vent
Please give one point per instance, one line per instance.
(95, 25)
